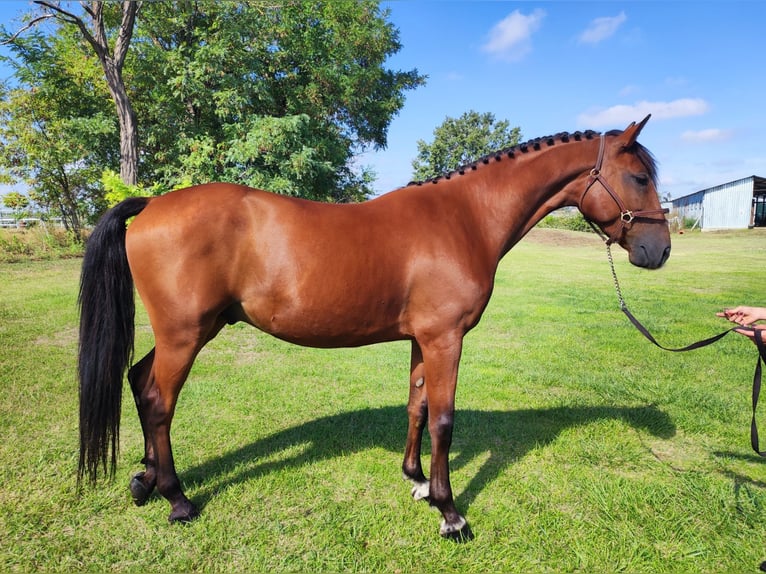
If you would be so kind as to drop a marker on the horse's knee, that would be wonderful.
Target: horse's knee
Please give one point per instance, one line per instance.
(440, 428)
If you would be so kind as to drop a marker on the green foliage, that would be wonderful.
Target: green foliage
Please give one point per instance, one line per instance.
(57, 127)
(281, 96)
(571, 221)
(689, 222)
(16, 201)
(115, 190)
(275, 96)
(460, 141)
(42, 242)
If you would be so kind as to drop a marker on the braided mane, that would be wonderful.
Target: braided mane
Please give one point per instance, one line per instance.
(535, 145)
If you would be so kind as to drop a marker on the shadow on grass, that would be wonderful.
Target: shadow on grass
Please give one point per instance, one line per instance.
(506, 435)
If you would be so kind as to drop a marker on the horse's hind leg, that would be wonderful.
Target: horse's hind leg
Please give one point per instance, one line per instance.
(417, 414)
(142, 484)
(168, 373)
(157, 382)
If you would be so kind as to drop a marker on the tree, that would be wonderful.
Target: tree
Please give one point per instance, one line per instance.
(16, 201)
(275, 95)
(280, 96)
(458, 142)
(55, 134)
(93, 28)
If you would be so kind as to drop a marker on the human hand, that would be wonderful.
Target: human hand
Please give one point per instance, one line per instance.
(750, 332)
(743, 315)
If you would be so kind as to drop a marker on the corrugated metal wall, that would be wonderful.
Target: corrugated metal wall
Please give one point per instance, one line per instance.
(689, 206)
(728, 206)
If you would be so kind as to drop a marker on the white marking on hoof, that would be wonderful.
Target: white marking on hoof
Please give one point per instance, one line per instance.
(447, 530)
(420, 490)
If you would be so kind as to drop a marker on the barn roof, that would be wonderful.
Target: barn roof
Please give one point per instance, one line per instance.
(759, 186)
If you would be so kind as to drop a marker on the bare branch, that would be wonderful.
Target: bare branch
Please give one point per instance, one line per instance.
(29, 26)
(68, 17)
(88, 10)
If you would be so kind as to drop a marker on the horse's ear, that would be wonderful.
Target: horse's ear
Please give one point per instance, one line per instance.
(630, 135)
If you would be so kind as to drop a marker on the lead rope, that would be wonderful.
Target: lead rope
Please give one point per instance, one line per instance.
(757, 335)
(623, 306)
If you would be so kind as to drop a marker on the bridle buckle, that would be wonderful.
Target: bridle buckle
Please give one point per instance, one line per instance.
(627, 216)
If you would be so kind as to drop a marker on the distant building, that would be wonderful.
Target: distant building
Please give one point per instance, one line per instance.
(738, 204)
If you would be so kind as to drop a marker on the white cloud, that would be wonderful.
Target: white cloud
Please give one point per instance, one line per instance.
(602, 28)
(624, 114)
(510, 39)
(707, 136)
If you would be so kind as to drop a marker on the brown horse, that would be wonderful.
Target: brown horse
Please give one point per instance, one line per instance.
(415, 264)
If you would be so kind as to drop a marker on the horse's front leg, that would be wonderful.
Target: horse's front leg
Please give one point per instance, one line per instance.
(441, 359)
(417, 414)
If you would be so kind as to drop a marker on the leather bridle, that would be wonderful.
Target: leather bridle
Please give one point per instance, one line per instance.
(626, 216)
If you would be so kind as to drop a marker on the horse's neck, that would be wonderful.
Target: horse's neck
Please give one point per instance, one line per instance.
(516, 193)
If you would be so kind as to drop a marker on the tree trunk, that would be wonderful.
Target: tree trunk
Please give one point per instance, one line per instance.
(128, 125)
(111, 62)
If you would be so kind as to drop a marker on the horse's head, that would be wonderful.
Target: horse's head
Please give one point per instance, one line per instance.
(621, 198)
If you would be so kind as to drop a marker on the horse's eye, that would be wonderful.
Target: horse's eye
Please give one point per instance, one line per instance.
(641, 179)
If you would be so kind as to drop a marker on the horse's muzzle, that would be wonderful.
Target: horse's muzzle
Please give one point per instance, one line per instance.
(649, 255)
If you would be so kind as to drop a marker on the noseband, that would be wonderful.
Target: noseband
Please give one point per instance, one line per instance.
(626, 216)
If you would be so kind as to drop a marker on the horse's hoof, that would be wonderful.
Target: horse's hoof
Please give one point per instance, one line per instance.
(458, 532)
(138, 489)
(183, 516)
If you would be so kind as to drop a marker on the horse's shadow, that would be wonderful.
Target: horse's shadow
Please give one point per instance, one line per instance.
(505, 435)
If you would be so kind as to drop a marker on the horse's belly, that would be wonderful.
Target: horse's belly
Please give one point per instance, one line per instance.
(327, 325)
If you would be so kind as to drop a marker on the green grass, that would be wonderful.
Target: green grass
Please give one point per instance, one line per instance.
(578, 447)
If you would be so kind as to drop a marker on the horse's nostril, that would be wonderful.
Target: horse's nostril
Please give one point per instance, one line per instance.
(648, 258)
(665, 255)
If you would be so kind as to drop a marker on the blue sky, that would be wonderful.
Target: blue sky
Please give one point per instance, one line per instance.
(696, 66)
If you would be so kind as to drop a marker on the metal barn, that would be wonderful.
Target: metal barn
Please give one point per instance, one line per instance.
(739, 204)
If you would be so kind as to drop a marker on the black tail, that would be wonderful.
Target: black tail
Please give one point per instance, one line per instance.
(107, 310)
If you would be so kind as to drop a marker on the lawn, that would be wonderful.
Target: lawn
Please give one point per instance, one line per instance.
(579, 447)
